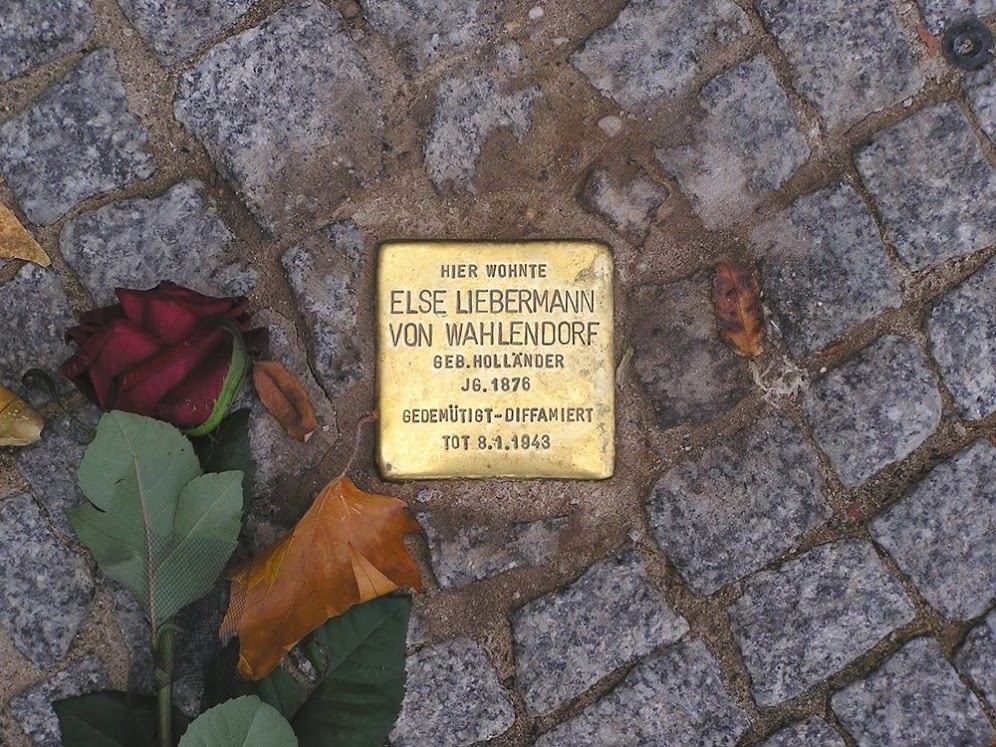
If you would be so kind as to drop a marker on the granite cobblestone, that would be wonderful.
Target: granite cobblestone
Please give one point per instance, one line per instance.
(875, 409)
(851, 59)
(943, 534)
(674, 698)
(739, 505)
(568, 640)
(137, 243)
(76, 140)
(825, 268)
(45, 588)
(915, 699)
(655, 48)
(270, 103)
(933, 185)
(36, 31)
(748, 144)
(803, 622)
(454, 698)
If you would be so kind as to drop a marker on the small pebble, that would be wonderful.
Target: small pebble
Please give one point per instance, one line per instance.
(535, 13)
(611, 125)
(349, 9)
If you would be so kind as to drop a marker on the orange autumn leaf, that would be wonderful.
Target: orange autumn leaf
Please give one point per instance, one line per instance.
(16, 242)
(347, 549)
(284, 398)
(736, 295)
(19, 424)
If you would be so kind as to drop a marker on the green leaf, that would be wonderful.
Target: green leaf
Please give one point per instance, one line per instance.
(227, 448)
(360, 697)
(278, 688)
(282, 691)
(243, 722)
(111, 719)
(153, 521)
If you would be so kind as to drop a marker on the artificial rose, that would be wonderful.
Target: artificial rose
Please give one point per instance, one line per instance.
(164, 353)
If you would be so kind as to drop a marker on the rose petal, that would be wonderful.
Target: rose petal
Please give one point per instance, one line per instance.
(205, 306)
(192, 402)
(104, 355)
(144, 386)
(125, 347)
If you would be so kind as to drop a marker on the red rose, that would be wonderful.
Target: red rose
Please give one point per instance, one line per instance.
(163, 353)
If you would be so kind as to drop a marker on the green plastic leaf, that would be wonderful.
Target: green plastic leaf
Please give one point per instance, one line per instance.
(233, 381)
(360, 697)
(227, 448)
(243, 722)
(153, 521)
(111, 719)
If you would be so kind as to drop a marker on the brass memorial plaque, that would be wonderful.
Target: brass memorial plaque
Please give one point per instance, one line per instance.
(495, 360)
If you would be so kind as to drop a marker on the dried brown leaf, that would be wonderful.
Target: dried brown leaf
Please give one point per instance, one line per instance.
(347, 549)
(736, 295)
(284, 398)
(19, 424)
(16, 242)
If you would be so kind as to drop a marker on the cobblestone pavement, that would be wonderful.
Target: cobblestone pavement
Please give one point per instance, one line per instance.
(796, 551)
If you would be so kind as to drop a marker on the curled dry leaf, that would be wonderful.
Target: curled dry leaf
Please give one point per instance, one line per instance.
(347, 549)
(19, 424)
(736, 295)
(16, 242)
(284, 398)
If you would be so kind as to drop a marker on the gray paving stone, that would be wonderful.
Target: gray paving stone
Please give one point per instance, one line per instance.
(32, 708)
(940, 13)
(747, 145)
(45, 588)
(980, 90)
(36, 31)
(688, 374)
(624, 195)
(977, 657)
(175, 29)
(813, 732)
(473, 552)
(34, 316)
(430, 30)
(915, 699)
(471, 106)
(138, 243)
(739, 505)
(850, 59)
(800, 624)
(135, 630)
(325, 273)
(875, 409)
(825, 268)
(675, 698)
(654, 48)
(567, 641)
(50, 465)
(453, 698)
(288, 110)
(75, 141)
(943, 534)
(962, 330)
(933, 186)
